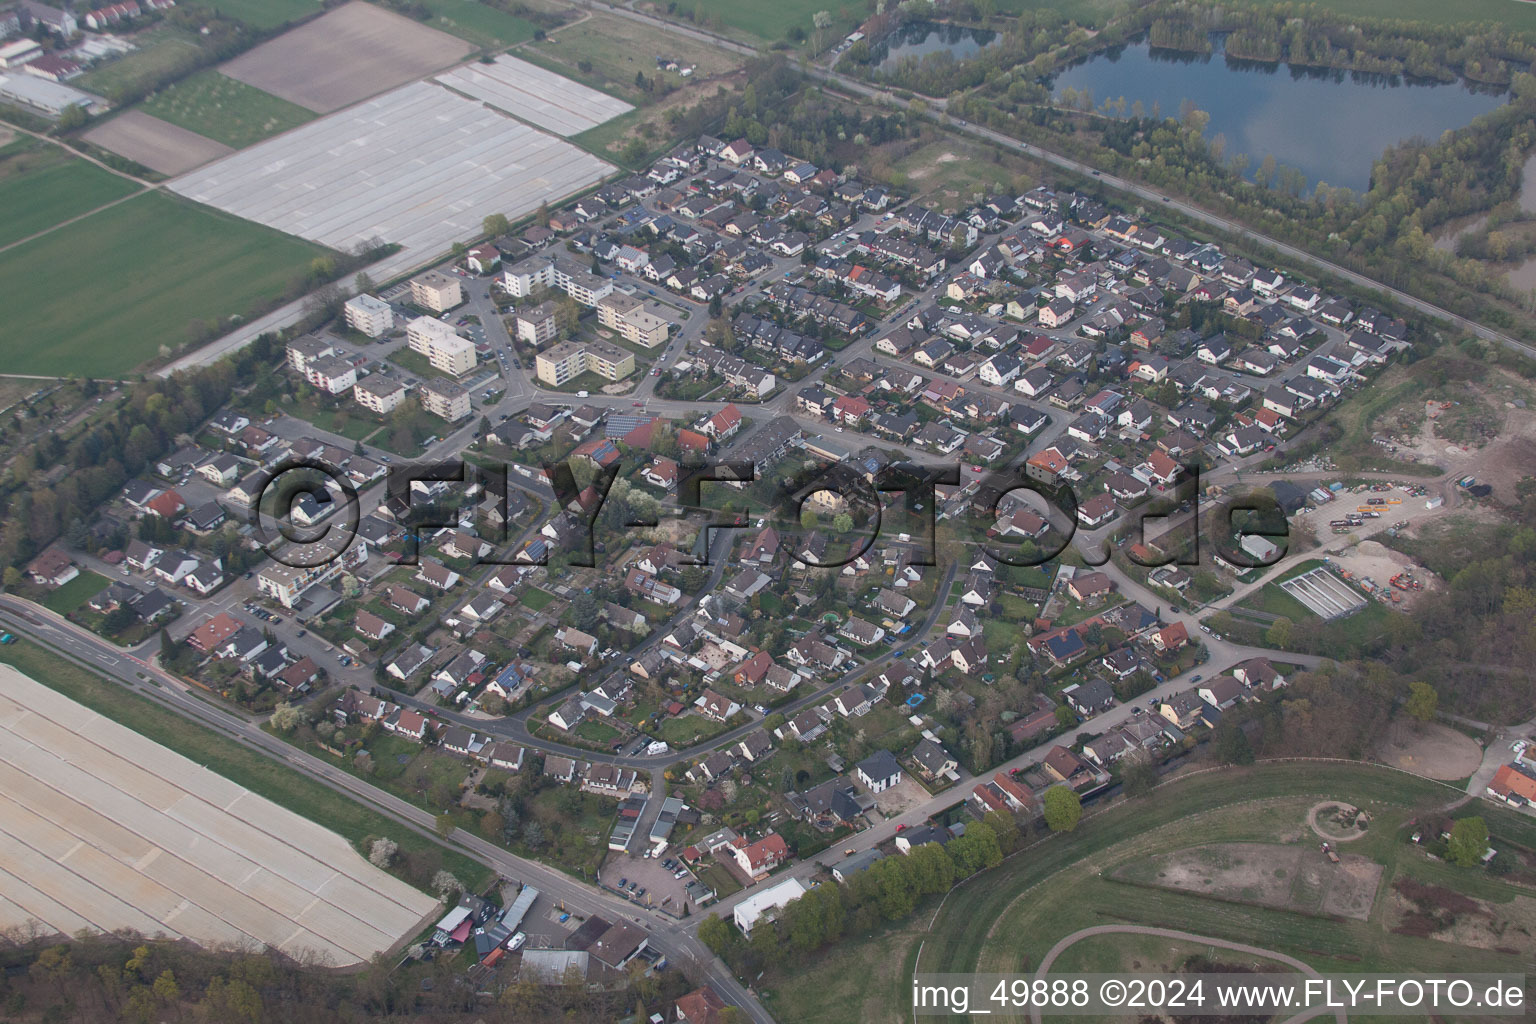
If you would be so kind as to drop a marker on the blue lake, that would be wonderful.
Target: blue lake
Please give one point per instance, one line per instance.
(921, 38)
(1330, 125)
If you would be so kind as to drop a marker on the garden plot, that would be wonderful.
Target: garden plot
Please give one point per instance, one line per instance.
(102, 829)
(420, 166)
(535, 95)
(158, 145)
(347, 55)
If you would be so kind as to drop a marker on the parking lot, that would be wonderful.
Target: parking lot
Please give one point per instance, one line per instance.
(647, 881)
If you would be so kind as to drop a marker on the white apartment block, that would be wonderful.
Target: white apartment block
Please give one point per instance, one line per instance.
(436, 291)
(444, 398)
(286, 584)
(370, 315)
(441, 344)
(378, 393)
(570, 359)
(536, 325)
(636, 324)
(305, 350)
(331, 374)
(522, 278)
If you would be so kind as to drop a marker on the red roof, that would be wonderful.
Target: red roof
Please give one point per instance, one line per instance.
(692, 441)
(212, 634)
(166, 504)
(1510, 780)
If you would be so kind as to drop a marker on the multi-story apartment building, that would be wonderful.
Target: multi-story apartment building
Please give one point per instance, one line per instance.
(522, 278)
(372, 316)
(378, 393)
(303, 351)
(571, 359)
(286, 584)
(442, 397)
(331, 374)
(636, 324)
(536, 324)
(441, 344)
(436, 291)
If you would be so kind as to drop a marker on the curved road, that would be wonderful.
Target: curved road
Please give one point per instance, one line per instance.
(1169, 933)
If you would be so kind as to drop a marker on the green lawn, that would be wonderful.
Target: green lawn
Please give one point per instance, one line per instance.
(139, 274)
(535, 599)
(76, 592)
(160, 50)
(262, 775)
(486, 27)
(225, 110)
(773, 21)
(38, 198)
(265, 13)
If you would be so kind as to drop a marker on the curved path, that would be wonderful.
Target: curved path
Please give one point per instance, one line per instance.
(1169, 933)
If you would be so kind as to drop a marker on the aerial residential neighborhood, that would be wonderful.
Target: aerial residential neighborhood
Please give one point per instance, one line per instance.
(561, 534)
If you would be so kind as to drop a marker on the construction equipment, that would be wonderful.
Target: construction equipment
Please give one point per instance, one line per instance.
(1329, 852)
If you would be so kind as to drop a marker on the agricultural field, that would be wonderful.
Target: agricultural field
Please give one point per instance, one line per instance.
(769, 22)
(159, 50)
(485, 26)
(1052, 890)
(41, 186)
(616, 48)
(156, 144)
(220, 108)
(155, 264)
(536, 95)
(351, 53)
(265, 13)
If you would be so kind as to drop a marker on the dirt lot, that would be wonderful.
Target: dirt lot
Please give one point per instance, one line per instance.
(1488, 432)
(157, 144)
(1374, 561)
(1434, 750)
(906, 794)
(1290, 877)
(350, 54)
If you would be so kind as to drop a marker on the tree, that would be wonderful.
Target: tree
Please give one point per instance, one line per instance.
(165, 987)
(1280, 632)
(12, 577)
(382, 852)
(286, 718)
(1469, 841)
(495, 225)
(445, 824)
(1232, 746)
(716, 934)
(1065, 716)
(1063, 809)
(842, 522)
(446, 886)
(74, 116)
(1139, 777)
(1423, 701)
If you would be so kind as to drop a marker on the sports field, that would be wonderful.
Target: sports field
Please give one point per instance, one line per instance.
(222, 109)
(103, 829)
(349, 54)
(48, 187)
(138, 274)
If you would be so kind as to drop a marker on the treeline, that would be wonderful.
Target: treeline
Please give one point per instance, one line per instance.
(61, 480)
(124, 977)
(1310, 35)
(217, 38)
(887, 891)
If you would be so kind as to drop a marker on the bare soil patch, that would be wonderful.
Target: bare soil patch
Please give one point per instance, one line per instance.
(1371, 560)
(1338, 822)
(1290, 877)
(1434, 750)
(345, 56)
(157, 144)
(1431, 911)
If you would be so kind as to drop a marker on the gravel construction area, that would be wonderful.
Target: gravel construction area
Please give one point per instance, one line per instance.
(102, 829)
(1431, 749)
(543, 98)
(158, 145)
(347, 55)
(419, 166)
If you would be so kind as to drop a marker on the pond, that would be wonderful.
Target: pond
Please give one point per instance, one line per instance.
(1330, 125)
(921, 38)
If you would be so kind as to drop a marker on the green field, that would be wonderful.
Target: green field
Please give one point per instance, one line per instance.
(486, 27)
(53, 188)
(160, 50)
(138, 275)
(76, 592)
(773, 21)
(1006, 919)
(225, 110)
(262, 775)
(1513, 13)
(265, 13)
